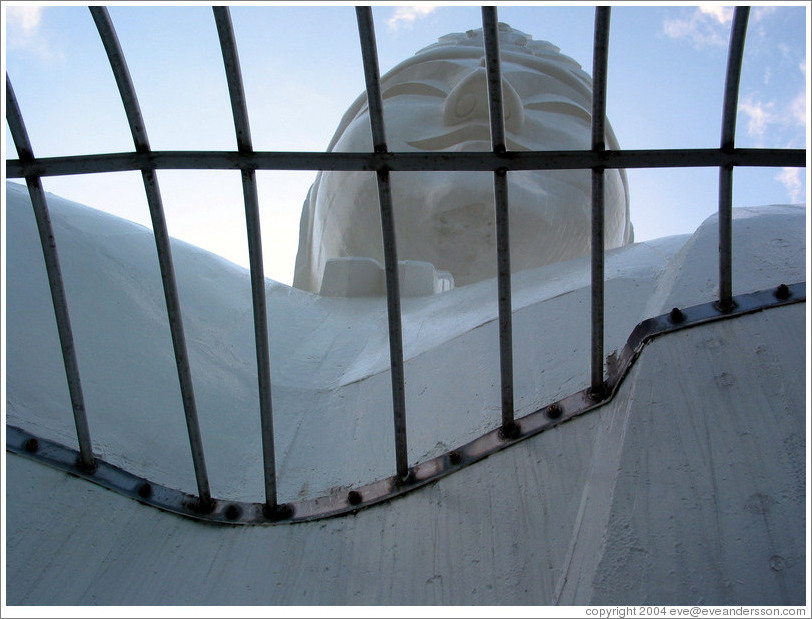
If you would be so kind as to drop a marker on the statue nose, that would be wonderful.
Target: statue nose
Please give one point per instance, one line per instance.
(468, 101)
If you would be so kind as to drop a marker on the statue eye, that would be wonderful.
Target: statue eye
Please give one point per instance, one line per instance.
(560, 107)
(414, 88)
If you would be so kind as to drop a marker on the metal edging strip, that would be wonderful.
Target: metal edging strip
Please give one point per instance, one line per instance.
(349, 500)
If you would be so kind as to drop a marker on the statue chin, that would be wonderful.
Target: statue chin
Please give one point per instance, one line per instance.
(445, 221)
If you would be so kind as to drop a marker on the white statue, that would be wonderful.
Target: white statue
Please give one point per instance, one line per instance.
(687, 488)
(438, 101)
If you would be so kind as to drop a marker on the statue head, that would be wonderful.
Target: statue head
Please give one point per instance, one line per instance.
(438, 101)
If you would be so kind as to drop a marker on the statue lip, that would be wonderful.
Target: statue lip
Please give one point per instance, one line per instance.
(463, 137)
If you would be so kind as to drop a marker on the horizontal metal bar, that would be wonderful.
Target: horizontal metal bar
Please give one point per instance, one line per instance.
(55, 283)
(126, 89)
(349, 500)
(407, 162)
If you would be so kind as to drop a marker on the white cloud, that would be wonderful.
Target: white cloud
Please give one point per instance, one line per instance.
(26, 18)
(790, 178)
(407, 15)
(23, 31)
(722, 14)
(759, 114)
(797, 109)
(760, 12)
(705, 26)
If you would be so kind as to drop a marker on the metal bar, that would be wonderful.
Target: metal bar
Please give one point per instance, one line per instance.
(366, 31)
(505, 306)
(490, 29)
(239, 109)
(231, 60)
(406, 162)
(46, 236)
(599, 69)
(732, 80)
(125, 86)
(597, 281)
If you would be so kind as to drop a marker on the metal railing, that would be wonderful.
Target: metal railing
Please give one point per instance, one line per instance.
(499, 161)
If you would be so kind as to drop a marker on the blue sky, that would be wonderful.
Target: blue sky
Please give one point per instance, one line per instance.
(302, 69)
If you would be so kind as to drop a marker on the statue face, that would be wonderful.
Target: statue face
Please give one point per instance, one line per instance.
(438, 101)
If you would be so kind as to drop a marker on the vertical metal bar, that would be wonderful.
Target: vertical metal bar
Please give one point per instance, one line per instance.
(599, 64)
(732, 79)
(366, 31)
(510, 429)
(46, 236)
(490, 31)
(228, 45)
(125, 86)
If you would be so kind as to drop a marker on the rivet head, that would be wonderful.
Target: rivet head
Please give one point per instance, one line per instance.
(554, 411)
(233, 512)
(782, 292)
(455, 457)
(145, 491)
(31, 445)
(354, 497)
(676, 315)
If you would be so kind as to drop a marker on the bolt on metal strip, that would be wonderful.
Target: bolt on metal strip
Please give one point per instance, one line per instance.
(366, 32)
(490, 30)
(125, 86)
(732, 80)
(46, 235)
(407, 162)
(599, 70)
(231, 60)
